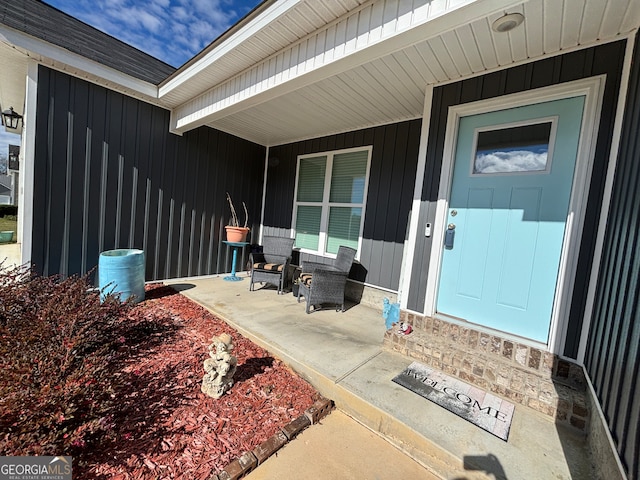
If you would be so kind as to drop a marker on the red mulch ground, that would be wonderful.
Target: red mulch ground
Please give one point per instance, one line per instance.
(166, 427)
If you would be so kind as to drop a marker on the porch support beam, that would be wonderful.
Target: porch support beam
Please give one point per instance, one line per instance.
(415, 226)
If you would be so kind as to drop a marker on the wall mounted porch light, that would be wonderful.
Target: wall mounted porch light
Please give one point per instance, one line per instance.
(10, 119)
(507, 22)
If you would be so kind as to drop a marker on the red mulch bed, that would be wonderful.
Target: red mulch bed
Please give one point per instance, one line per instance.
(166, 428)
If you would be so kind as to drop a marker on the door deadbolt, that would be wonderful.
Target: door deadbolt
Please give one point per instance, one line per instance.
(449, 236)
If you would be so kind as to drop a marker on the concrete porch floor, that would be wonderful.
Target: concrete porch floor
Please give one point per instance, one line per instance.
(10, 254)
(341, 355)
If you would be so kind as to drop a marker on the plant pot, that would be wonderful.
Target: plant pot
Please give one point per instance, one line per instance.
(236, 234)
(6, 237)
(121, 272)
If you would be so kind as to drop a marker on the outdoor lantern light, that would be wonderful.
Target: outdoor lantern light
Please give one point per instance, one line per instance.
(14, 161)
(10, 118)
(507, 22)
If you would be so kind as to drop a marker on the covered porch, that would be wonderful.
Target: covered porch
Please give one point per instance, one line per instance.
(343, 356)
(295, 81)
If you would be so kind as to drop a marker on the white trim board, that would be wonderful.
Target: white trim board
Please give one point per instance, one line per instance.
(592, 89)
(27, 158)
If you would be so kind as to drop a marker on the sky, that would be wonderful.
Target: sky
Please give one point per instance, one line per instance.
(533, 159)
(170, 30)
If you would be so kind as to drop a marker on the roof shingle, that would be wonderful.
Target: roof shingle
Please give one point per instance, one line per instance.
(47, 23)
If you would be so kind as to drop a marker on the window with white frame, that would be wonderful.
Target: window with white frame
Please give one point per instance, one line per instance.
(331, 194)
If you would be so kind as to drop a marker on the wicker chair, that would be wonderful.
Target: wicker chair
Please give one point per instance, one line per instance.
(271, 265)
(325, 283)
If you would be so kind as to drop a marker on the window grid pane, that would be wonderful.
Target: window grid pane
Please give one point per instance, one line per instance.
(348, 177)
(308, 227)
(344, 228)
(311, 179)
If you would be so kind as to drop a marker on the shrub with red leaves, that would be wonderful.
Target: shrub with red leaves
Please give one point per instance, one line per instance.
(56, 342)
(117, 387)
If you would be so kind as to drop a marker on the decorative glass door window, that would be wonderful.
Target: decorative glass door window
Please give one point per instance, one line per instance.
(331, 192)
(514, 149)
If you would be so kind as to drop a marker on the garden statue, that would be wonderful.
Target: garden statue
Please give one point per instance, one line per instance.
(220, 367)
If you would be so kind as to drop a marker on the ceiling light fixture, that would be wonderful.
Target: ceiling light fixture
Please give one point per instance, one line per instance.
(507, 22)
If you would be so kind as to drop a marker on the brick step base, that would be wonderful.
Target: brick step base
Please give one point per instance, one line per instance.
(519, 373)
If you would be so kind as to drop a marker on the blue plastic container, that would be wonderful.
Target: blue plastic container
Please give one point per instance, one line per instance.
(121, 272)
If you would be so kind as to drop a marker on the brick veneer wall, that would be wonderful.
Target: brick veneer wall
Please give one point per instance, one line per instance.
(521, 373)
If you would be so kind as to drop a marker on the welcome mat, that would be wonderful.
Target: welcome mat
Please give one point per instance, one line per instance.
(481, 408)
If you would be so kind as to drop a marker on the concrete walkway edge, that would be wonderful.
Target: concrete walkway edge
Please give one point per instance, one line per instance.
(343, 357)
(434, 459)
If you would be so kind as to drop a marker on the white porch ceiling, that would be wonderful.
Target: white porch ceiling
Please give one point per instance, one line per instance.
(383, 84)
(357, 64)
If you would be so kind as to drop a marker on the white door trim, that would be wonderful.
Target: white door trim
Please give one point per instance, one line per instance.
(592, 88)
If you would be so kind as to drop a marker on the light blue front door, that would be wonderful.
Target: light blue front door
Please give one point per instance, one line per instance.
(508, 207)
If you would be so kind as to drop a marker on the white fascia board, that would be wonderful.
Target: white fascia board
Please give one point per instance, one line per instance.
(262, 83)
(270, 15)
(39, 48)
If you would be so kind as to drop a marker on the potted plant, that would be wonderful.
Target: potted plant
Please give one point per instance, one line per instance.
(235, 232)
(6, 237)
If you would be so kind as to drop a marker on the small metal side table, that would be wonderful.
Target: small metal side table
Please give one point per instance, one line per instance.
(235, 246)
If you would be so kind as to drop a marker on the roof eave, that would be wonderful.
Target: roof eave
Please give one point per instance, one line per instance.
(53, 55)
(261, 16)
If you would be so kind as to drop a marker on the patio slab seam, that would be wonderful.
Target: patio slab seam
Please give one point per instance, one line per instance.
(358, 366)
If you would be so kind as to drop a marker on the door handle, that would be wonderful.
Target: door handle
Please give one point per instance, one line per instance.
(449, 236)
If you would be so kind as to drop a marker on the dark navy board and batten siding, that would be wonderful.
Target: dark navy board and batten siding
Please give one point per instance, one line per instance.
(605, 59)
(390, 193)
(613, 352)
(108, 174)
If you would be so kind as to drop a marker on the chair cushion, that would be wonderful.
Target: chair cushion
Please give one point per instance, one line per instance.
(272, 267)
(305, 278)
